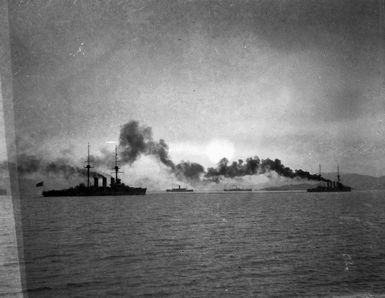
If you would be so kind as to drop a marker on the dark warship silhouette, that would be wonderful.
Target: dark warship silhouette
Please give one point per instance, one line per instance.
(179, 189)
(330, 186)
(116, 187)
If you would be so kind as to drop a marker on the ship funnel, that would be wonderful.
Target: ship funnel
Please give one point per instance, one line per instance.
(104, 179)
(96, 182)
(112, 181)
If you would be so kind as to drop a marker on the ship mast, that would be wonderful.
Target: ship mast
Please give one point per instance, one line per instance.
(88, 166)
(338, 173)
(116, 168)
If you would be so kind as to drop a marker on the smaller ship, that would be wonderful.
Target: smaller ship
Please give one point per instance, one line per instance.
(331, 186)
(179, 189)
(116, 187)
(236, 188)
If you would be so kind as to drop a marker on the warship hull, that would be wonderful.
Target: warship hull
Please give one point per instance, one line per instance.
(331, 186)
(127, 191)
(330, 189)
(116, 188)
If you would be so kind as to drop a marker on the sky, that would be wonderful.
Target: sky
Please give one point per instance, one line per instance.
(298, 80)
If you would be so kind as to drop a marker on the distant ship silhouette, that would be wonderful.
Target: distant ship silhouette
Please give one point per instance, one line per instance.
(116, 188)
(179, 189)
(331, 186)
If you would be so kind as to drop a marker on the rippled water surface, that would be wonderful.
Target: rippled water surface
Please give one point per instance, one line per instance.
(10, 282)
(206, 245)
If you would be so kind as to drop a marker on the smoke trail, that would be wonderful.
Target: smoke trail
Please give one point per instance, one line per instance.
(29, 164)
(253, 166)
(106, 159)
(135, 140)
(98, 175)
(189, 171)
(161, 151)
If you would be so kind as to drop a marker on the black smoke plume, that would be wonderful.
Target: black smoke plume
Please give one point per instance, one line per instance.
(254, 165)
(160, 150)
(135, 140)
(189, 171)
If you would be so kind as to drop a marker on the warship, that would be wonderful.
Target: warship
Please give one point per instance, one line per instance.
(116, 187)
(179, 189)
(331, 186)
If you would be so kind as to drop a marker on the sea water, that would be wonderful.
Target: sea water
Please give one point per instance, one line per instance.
(10, 278)
(250, 244)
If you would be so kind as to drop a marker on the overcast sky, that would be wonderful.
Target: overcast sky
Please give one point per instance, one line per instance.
(296, 80)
